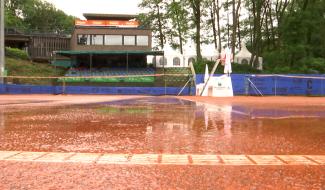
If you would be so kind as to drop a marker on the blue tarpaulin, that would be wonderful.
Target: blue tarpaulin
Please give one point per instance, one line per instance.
(243, 84)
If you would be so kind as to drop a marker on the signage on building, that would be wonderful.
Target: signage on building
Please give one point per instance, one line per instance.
(112, 23)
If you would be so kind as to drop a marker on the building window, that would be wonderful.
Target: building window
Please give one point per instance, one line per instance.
(83, 39)
(129, 40)
(163, 61)
(154, 62)
(244, 61)
(113, 40)
(142, 40)
(191, 60)
(97, 40)
(176, 61)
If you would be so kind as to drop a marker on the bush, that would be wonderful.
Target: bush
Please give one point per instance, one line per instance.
(199, 67)
(315, 64)
(16, 53)
(276, 62)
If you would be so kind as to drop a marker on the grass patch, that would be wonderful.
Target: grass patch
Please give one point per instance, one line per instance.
(127, 110)
(19, 67)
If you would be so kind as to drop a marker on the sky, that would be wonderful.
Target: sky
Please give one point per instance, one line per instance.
(78, 7)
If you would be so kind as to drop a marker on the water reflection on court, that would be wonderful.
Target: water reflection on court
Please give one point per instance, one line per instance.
(163, 125)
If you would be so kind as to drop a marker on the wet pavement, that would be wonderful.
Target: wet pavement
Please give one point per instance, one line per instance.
(162, 125)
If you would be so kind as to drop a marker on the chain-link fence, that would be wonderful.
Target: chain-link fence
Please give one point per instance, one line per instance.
(161, 83)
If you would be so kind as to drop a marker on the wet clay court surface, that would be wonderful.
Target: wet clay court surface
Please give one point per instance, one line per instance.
(25, 175)
(162, 125)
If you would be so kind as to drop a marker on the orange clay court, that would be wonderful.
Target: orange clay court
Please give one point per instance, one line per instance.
(99, 141)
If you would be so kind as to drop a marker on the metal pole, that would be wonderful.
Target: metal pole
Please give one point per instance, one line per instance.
(275, 85)
(91, 63)
(322, 87)
(211, 75)
(2, 41)
(164, 74)
(127, 63)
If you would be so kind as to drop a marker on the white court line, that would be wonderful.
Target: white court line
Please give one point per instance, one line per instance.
(163, 159)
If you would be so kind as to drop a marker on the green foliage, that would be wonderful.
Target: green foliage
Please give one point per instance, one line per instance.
(278, 63)
(179, 18)
(18, 67)
(199, 67)
(301, 46)
(16, 53)
(155, 19)
(36, 15)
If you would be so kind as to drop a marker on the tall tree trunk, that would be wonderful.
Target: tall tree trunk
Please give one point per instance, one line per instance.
(196, 6)
(238, 33)
(235, 13)
(271, 24)
(258, 20)
(180, 37)
(161, 34)
(213, 20)
(218, 25)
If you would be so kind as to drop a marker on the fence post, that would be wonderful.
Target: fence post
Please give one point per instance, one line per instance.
(246, 84)
(275, 84)
(322, 86)
(63, 86)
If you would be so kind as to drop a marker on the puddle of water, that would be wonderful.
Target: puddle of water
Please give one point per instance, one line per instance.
(163, 125)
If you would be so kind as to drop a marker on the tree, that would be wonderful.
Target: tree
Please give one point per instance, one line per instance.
(196, 18)
(179, 18)
(37, 15)
(256, 9)
(214, 8)
(155, 19)
(302, 30)
(235, 19)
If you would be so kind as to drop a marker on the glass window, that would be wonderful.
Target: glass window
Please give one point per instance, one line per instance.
(163, 61)
(191, 60)
(142, 40)
(112, 40)
(97, 40)
(83, 39)
(129, 40)
(176, 61)
(154, 60)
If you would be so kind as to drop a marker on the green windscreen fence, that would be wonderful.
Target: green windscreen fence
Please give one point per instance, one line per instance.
(137, 79)
(67, 63)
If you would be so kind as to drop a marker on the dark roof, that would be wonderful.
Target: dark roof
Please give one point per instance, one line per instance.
(96, 16)
(97, 52)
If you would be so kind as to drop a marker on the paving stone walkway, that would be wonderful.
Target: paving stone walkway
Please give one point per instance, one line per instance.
(162, 159)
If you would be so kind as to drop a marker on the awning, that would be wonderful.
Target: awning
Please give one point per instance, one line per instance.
(97, 52)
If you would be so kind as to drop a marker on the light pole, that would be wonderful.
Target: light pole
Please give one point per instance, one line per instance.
(2, 40)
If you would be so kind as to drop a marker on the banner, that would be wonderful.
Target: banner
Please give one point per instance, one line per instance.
(114, 23)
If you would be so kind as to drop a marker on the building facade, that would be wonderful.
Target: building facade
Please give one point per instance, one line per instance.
(107, 32)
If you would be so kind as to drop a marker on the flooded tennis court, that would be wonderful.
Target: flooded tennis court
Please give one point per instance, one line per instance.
(163, 125)
(163, 128)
